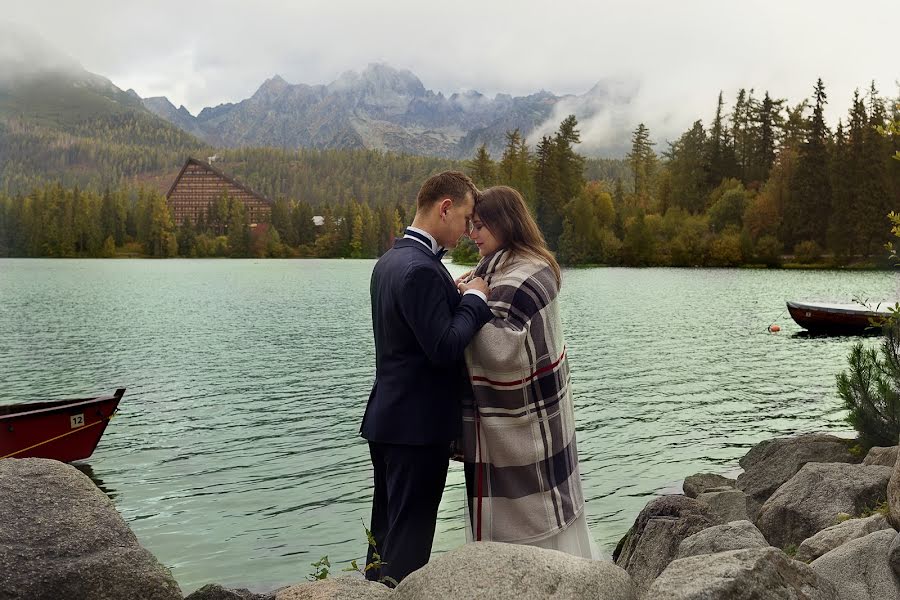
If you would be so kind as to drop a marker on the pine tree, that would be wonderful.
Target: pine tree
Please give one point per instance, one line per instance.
(161, 241)
(547, 185)
(571, 164)
(281, 220)
(112, 217)
(187, 238)
(719, 150)
(642, 160)
(238, 229)
(877, 196)
(848, 175)
(356, 240)
(401, 215)
(515, 167)
(370, 221)
(524, 181)
(842, 231)
(506, 169)
(86, 223)
(63, 220)
(302, 220)
(741, 134)
(559, 178)
(767, 120)
(870, 390)
(806, 217)
(482, 168)
(689, 170)
(397, 226)
(795, 127)
(219, 213)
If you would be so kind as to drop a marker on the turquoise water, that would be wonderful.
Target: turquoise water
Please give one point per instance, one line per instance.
(235, 457)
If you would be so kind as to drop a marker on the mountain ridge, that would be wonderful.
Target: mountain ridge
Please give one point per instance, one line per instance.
(60, 122)
(390, 109)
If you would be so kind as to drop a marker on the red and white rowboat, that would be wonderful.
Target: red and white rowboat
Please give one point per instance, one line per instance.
(63, 430)
(847, 319)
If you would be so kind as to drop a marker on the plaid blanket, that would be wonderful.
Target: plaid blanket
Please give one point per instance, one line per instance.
(519, 426)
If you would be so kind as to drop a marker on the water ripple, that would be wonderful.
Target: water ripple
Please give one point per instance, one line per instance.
(237, 440)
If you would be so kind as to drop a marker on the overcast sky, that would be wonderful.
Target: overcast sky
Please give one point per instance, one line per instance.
(677, 55)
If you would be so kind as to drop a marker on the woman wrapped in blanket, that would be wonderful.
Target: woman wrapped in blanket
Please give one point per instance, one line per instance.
(518, 442)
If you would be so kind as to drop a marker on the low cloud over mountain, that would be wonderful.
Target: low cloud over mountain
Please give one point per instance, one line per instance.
(389, 109)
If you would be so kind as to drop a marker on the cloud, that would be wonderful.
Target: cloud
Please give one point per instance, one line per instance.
(23, 51)
(678, 55)
(606, 116)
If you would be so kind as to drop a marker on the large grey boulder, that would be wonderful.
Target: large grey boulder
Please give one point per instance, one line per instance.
(736, 535)
(340, 588)
(514, 572)
(884, 456)
(214, 591)
(812, 499)
(652, 542)
(758, 452)
(61, 537)
(830, 538)
(770, 464)
(894, 555)
(751, 574)
(727, 505)
(694, 485)
(860, 569)
(893, 497)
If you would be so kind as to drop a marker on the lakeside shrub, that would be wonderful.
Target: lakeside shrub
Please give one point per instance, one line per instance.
(768, 251)
(465, 253)
(807, 252)
(725, 249)
(870, 389)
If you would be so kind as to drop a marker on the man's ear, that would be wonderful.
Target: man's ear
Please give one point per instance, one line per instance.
(444, 206)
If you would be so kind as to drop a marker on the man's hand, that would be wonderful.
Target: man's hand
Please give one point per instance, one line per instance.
(475, 284)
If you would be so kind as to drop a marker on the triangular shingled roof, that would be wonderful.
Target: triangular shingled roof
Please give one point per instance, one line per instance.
(196, 161)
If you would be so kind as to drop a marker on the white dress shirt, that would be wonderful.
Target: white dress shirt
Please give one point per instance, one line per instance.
(418, 234)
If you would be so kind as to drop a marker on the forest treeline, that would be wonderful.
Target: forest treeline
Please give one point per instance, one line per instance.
(760, 181)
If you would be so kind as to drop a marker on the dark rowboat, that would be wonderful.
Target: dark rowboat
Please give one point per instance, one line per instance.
(836, 319)
(64, 430)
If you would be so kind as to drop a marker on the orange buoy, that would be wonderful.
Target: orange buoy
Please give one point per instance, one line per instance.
(774, 328)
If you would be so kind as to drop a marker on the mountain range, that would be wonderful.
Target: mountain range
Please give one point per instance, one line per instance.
(389, 109)
(60, 122)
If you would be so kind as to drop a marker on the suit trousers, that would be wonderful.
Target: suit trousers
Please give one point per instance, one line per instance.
(409, 483)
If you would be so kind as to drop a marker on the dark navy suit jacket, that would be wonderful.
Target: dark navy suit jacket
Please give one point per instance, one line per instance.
(422, 327)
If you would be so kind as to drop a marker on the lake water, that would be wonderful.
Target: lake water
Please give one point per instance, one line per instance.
(235, 456)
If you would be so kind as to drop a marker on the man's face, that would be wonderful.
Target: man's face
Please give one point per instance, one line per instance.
(458, 221)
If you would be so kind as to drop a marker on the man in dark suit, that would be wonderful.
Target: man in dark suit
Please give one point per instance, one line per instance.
(422, 323)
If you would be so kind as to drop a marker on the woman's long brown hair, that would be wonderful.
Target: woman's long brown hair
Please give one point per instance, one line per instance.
(503, 211)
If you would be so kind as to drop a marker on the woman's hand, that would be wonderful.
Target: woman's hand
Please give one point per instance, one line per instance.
(476, 284)
(462, 278)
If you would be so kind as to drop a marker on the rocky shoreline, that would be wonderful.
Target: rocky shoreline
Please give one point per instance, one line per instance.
(807, 519)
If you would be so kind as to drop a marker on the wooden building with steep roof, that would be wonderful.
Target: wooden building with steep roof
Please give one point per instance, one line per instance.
(199, 185)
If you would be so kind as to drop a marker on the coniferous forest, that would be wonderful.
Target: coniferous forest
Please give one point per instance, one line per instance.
(760, 182)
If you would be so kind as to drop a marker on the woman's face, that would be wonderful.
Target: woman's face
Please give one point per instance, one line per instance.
(483, 238)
